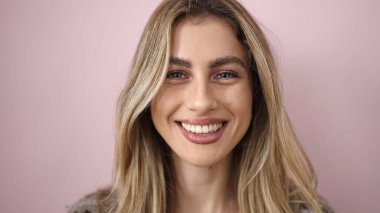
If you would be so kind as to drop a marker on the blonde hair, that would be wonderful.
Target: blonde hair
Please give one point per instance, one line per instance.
(274, 175)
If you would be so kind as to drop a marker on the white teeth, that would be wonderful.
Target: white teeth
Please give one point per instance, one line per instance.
(214, 127)
(198, 129)
(191, 129)
(204, 129)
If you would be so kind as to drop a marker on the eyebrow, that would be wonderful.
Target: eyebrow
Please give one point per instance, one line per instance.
(214, 63)
(226, 60)
(180, 62)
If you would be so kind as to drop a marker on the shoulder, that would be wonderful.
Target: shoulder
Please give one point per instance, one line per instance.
(324, 204)
(100, 201)
(326, 207)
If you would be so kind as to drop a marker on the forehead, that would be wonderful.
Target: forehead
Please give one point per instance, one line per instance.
(207, 36)
(203, 20)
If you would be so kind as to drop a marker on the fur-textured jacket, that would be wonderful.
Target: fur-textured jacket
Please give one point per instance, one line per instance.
(101, 202)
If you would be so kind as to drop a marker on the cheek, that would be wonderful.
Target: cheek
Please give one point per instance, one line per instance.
(241, 109)
(245, 103)
(164, 104)
(167, 94)
(238, 100)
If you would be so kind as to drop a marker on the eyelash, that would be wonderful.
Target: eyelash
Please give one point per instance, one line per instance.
(231, 74)
(170, 75)
(175, 75)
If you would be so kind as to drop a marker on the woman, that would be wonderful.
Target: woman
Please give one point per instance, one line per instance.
(201, 126)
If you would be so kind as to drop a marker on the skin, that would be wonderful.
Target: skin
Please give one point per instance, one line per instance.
(207, 79)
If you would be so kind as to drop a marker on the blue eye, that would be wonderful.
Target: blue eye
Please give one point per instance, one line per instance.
(175, 75)
(226, 75)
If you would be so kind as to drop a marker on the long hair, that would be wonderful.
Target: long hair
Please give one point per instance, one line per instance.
(274, 173)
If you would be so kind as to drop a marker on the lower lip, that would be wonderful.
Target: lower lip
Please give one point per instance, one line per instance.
(200, 138)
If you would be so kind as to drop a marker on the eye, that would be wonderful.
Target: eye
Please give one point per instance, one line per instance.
(175, 75)
(227, 74)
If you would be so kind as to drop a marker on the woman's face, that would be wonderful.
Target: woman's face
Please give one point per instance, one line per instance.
(203, 108)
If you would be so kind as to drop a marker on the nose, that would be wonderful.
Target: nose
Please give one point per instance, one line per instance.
(200, 96)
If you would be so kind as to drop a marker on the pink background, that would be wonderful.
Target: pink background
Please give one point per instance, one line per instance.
(63, 63)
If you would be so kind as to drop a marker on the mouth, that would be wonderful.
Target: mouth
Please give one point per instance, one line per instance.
(202, 132)
(201, 129)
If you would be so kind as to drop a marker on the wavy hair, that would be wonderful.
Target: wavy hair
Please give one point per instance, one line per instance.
(274, 173)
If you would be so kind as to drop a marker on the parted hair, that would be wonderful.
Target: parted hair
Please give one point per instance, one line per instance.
(271, 172)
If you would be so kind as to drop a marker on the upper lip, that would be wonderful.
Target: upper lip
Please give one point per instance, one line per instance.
(204, 121)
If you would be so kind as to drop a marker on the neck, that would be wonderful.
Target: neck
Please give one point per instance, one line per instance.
(203, 189)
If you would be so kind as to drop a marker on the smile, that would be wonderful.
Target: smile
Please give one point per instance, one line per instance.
(205, 129)
(202, 132)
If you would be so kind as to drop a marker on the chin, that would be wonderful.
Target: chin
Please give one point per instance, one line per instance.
(202, 160)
